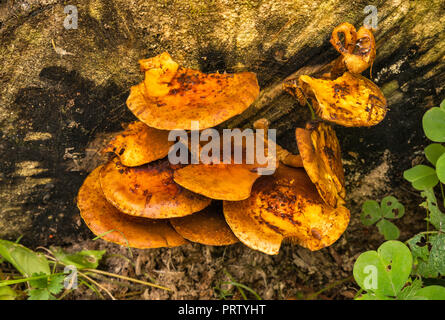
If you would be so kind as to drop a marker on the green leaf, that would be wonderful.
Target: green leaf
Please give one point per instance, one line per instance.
(26, 261)
(388, 229)
(83, 259)
(41, 283)
(437, 254)
(6, 293)
(437, 218)
(39, 294)
(442, 104)
(433, 122)
(392, 208)
(440, 168)
(409, 292)
(422, 177)
(384, 272)
(370, 212)
(433, 152)
(55, 285)
(432, 293)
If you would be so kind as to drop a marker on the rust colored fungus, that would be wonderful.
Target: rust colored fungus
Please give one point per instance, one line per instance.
(105, 220)
(206, 227)
(139, 144)
(285, 205)
(320, 151)
(171, 97)
(359, 50)
(350, 100)
(148, 191)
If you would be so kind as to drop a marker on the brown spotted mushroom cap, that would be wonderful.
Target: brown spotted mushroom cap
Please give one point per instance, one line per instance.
(172, 96)
(206, 227)
(105, 220)
(288, 206)
(148, 191)
(320, 151)
(139, 144)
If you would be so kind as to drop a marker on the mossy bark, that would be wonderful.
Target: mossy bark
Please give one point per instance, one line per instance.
(63, 90)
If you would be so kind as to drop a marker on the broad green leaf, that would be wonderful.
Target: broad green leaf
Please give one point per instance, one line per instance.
(420, 247)
(409, 292)
(437, 254)
(433, 122)
(41, 283)
(26, 261)
(433, 152)
(388, 229)
(384, 272)
(83, 259)
(442, 104)
(39, 294)
(440, 168)
(422, 177)
(373, 296)
(6, 293)
(370, 212)
(437, 218)
(392, 208)
(432, 293)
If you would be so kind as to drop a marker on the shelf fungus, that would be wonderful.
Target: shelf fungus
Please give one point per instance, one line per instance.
(283, 206)
(148, 191)
(139, 144)
(171, 97)
(320, 152)
(110, 224)
(206, 227)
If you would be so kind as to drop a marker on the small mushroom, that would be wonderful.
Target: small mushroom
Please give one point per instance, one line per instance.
(350, 100)
(105, 220)
(285, 205)
(148, 191)
(320, 151)
(171, 97)
(206, 227)
(139, 144)
(359, 50)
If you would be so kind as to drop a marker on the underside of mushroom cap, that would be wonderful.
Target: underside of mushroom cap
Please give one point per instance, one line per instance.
(350, 100)
(106, 221)
(171, 97)
(320, 152)
(139, 144)
(206, 227)
(148, 191)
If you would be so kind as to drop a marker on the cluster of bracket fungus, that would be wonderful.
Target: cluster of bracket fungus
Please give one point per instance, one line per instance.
(140, 199)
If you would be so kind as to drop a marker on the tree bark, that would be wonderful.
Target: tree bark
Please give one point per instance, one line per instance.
(63, 91)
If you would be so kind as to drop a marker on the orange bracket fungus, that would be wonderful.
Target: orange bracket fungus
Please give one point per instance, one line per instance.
(206, 227)
(139, 144)
(320, 152)
(143, 198)
(171, 97)
(285, 205)
(107, 221)
(148, 191)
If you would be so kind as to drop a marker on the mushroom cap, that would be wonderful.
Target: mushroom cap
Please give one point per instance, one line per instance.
(350, 100)
(172, 96)
(321, 155)
(139, 144)
(289, 205)
(148, 191)
(218, 181)
(101, 217)
(206, 227)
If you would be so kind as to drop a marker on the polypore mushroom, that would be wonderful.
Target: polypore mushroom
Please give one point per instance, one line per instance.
(139, 144)
(320, 151)
(285, 205)
(350, 100)
(359, 50)
(105, 220)
(148, 191)
(171, 97)
(206, 227)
